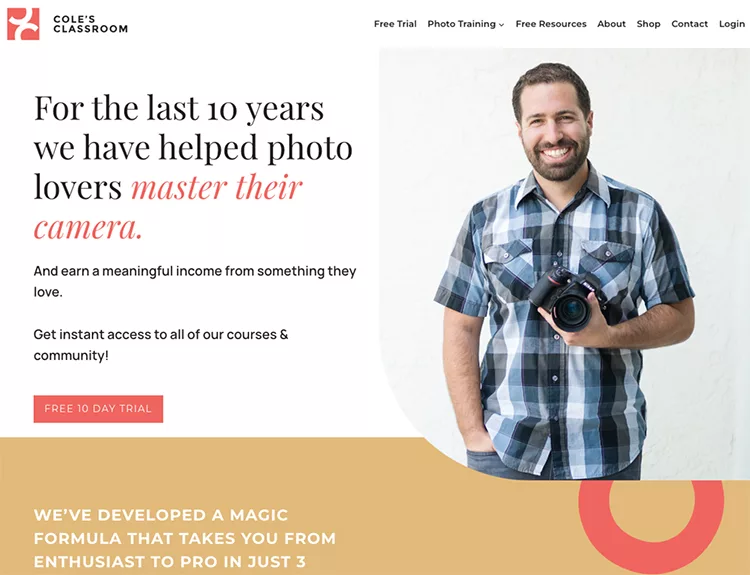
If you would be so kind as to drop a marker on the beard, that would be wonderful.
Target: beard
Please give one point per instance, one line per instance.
(560, 171)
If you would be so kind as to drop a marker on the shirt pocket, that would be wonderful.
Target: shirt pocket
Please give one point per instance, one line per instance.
(510, 268)
(611, 263)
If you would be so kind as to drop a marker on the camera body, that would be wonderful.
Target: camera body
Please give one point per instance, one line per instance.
(563, 294)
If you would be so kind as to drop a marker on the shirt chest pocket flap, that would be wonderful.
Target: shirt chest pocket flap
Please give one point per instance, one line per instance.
(510, 267)
(609, 262)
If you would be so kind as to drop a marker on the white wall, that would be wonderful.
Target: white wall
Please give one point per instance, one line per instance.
(673, 123)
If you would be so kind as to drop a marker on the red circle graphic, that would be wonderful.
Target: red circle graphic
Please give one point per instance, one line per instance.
(646, 556)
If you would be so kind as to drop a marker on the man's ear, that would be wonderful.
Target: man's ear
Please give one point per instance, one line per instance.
(518, 127)
(590, 121)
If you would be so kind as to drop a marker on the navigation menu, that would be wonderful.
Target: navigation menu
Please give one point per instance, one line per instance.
(559, 24)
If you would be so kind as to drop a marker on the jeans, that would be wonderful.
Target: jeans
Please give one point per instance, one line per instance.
(491, 464)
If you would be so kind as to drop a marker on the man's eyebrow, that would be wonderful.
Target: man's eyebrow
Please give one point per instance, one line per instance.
(558, 113)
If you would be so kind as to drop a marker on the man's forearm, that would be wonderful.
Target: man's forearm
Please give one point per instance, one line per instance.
(461, 365)
(662, 325)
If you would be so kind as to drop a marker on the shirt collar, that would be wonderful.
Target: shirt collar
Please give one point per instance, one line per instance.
(595, 182)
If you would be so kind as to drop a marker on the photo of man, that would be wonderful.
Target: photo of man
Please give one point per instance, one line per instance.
(548, 402)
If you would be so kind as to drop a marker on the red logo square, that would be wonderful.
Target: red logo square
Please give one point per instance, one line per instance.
(23, 23)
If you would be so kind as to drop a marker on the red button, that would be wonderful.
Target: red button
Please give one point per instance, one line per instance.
(98, 409)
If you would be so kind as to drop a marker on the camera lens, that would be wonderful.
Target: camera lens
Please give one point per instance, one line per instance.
(571, 313)
(571, 310)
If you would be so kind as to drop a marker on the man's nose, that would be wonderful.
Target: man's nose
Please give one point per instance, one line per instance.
(553, 133)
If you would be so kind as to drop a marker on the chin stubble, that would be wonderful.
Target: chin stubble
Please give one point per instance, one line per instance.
(565, 171)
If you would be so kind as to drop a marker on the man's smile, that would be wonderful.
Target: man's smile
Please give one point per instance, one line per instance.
(557, 154)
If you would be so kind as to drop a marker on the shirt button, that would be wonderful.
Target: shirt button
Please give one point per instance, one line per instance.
(559, 254)
(554, 418)
(557, 336)
(554, 264)
(608, 253)
(554, 378)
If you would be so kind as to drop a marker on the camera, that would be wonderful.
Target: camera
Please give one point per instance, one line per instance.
(563, 294)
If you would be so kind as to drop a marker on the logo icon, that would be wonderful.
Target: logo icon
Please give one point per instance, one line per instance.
(23, 23)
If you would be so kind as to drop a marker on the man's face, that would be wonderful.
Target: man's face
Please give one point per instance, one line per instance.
(554, 132)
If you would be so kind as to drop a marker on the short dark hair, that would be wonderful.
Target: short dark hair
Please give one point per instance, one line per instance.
(549, 73)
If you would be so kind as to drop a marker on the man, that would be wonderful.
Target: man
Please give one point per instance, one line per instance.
(548, 404)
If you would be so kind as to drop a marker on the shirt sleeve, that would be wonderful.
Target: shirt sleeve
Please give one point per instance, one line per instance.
(464, 284)
(665, 275)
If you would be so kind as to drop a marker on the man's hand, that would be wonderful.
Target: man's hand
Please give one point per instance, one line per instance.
(479, 441)
(596, 334)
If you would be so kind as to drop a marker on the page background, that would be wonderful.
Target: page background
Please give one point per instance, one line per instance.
(392, 505)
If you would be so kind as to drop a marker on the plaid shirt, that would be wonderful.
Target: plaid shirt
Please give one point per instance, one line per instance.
(581, 406)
